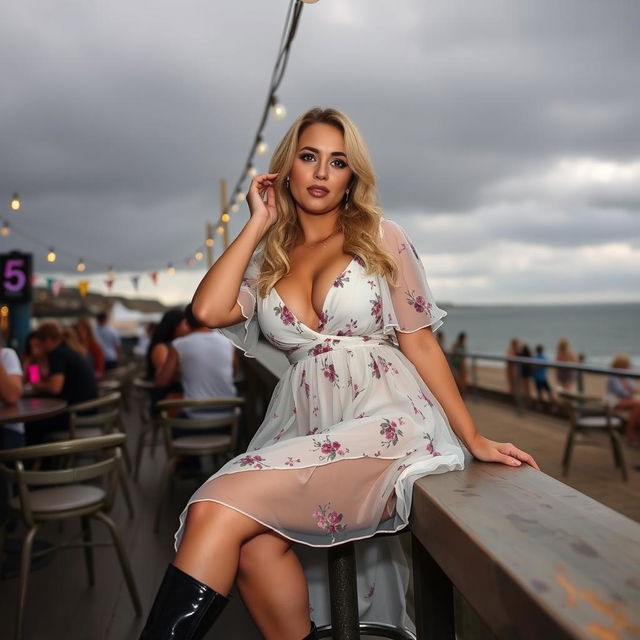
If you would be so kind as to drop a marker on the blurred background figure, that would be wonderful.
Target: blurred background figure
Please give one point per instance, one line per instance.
(35, 362)
(526, 371)
(621, 396)
(11, 435)
(204, 362)
(70, 377)
(88, 341)
(566, 378)
(109, 340)
(512, 367)
(172, 325)
(540, 380)
(144, 340)
(458, 362)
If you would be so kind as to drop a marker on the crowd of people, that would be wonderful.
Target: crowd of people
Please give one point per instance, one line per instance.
(62, 362)
(523, 377)
(182, 358)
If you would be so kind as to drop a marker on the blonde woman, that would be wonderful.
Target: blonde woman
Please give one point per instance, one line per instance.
(566, 377)
(621, 395)
(358, 416)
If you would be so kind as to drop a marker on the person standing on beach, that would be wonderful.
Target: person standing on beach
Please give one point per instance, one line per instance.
(512, 367)
(566, 377)
(540, 379)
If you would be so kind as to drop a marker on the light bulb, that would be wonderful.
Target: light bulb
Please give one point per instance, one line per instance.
(252, 171)
(240, 195)
(220, 229)
(278, 109)
(5, 231)
(261, 147)
(209, 241)
(235, 208)
(15, 202)
(225, 217)
(51, 256)
(81, 265)
(170, 269)
(198, 255)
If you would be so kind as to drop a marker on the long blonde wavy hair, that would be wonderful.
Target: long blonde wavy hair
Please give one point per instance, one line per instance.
(359, 221)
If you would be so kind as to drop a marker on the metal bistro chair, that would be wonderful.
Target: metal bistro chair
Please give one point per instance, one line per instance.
(221, 446)
(60, 494)
(588, 414)
(343, 597)
(149, 424)
(94, 418)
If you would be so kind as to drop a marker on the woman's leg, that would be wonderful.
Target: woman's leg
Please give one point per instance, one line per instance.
(273, 587)
(210, 547)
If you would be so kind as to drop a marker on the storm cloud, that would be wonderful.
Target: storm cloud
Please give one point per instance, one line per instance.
(504, 134)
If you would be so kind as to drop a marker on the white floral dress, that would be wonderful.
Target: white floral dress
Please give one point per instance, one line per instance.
(351, 424)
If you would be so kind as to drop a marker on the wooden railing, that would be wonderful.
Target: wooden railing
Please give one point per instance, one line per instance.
(507, 553)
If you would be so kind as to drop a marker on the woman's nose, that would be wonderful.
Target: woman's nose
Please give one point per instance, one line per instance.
(321, 171)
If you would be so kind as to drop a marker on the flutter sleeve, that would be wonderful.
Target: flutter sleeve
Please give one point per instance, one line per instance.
(245, 334)
(409, 305)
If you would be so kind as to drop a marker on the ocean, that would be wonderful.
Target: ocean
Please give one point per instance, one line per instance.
(599, 331)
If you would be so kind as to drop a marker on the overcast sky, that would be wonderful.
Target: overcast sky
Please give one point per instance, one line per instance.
(505, 134)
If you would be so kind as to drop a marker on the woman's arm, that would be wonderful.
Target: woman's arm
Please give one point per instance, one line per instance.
(422, 349)
(10, 386)
(215, 300)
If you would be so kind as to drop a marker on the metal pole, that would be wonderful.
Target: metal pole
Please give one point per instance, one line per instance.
(223, 204)
(209, 234)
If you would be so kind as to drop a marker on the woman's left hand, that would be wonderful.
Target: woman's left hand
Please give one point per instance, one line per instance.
(489, 451)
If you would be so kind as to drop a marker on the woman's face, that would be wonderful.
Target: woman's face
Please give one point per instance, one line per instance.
(320, 173)
(35, 348)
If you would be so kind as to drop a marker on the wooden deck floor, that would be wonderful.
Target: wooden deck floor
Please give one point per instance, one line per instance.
(61, 605)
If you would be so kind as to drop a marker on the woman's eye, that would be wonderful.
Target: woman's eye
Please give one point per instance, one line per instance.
(307, 156)
(341, 164)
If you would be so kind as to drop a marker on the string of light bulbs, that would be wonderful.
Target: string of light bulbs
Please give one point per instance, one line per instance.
(259, 147)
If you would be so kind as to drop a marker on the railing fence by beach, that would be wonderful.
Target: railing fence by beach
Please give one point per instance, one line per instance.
(579, 368)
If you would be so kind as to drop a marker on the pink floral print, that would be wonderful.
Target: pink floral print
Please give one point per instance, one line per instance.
(341, 279)
(352, 325)
(329, 449)
(287, 317)
(376, 308)
(386, 365)
(256, 462)
(373, 365)
(290, 462)
(304, 384)
(329, 521)
(418, 302)
(330, 373)
(323, 347)
(391, 431)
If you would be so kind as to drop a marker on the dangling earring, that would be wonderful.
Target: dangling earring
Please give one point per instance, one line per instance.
(287, 182)
(346, 199)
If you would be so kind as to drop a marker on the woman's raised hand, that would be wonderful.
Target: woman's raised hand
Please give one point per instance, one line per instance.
(261, 197)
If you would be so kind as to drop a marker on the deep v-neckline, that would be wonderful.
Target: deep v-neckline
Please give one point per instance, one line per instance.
(324, 301)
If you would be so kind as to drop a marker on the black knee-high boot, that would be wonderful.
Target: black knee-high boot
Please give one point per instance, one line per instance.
(184, 608)
(313, 634)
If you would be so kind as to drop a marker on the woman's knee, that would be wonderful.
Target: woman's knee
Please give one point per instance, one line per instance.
(254, 552)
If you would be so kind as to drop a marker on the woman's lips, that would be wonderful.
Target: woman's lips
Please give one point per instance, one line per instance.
(318, 192)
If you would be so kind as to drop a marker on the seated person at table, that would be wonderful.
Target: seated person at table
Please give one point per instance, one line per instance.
(11, 435)
(71, 378)
(621, 396)
(205, 362)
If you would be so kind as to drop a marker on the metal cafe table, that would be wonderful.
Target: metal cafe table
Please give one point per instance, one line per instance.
(26, 409)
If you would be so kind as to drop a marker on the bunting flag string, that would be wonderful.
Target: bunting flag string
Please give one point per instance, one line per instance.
(135, 281)
(83, 287)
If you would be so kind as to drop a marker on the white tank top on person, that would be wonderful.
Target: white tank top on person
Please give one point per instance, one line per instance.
(206, 366)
